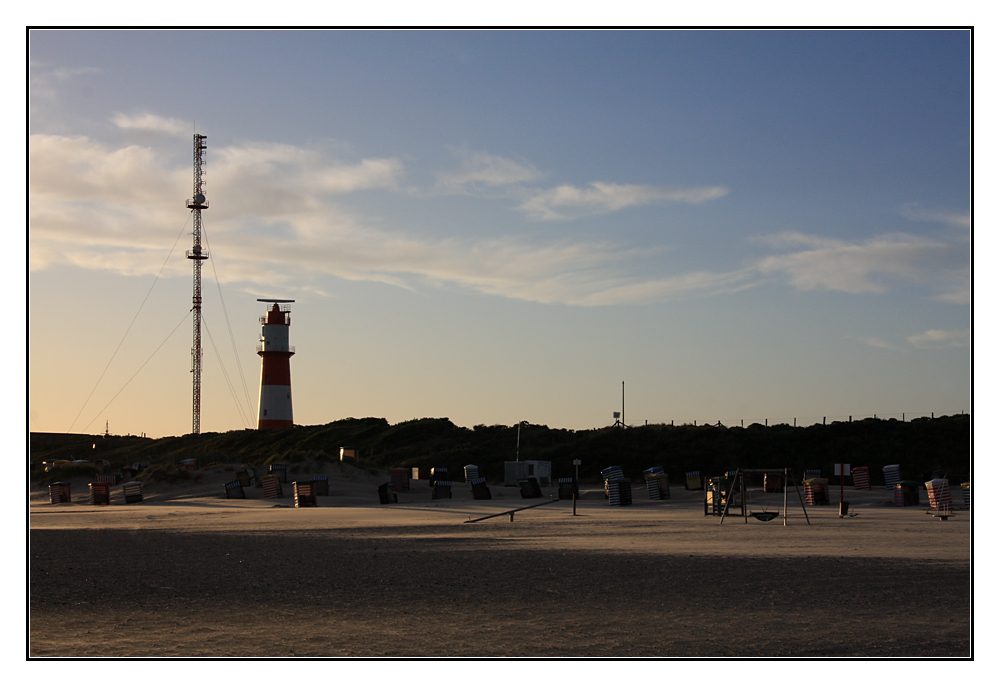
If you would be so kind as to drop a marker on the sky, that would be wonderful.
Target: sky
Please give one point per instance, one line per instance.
(502, 226)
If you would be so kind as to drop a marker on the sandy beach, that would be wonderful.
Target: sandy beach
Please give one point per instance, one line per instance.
(191, 573)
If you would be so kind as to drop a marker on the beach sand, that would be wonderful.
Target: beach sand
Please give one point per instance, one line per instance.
(190, 573)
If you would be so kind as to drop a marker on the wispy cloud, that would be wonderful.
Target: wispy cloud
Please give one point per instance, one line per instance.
(275, 217)
(566, 201)
(914, 211)
(44, 82)
(153, 123)
(481, 169)
(876, 342)
(936, 338)
(851, 267)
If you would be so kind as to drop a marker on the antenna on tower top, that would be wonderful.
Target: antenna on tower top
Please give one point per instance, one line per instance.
(197, 203)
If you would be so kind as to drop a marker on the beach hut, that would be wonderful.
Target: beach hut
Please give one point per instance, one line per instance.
(100, 493)
(349, 453)
(132, 492)
(891, 473)
(305, 493)
(480, 490)
(234, 490)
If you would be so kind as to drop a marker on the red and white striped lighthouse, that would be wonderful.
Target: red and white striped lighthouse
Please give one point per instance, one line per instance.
(275, 409)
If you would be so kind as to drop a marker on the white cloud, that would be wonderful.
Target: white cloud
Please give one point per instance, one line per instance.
(566, 201)
(274, 218)
(936, 338)
(153, 123)
(956, 219)
(483, 169)
(876, 342)
(850, 267)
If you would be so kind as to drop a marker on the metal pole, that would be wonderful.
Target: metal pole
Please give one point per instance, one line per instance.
(784, 485)
(623, 403)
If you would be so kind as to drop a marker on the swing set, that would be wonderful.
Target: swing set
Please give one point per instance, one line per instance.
(763, 512)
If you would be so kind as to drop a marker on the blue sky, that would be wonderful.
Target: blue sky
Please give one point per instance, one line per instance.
(503, 226)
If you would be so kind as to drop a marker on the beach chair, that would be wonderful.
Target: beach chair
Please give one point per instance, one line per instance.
(280, 470)
(891, 473)
(480, 490)
(619, 492)
(861, 478)
(132, 492)
(692, 480)
(529, 488)
(272, 486)
(305, 494)
(321, 485)
(441, 490)
(100, 493)
(234, 490)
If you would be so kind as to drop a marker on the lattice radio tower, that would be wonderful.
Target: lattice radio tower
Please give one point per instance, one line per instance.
(197, 203)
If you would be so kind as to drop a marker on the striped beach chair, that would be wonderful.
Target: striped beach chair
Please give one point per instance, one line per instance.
(132, 492)
(619, 492)
(657, 488)
(59, 492)
(967, 495)
(939, 495)
(100, 493)
(891, 473)
(862, 480)
(243, 477)
(110, 479)
(234, 490)
(305, 494)
(272, 486)
(471, 472)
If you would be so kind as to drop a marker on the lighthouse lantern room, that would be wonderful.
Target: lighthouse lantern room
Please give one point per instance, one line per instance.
(275, 409)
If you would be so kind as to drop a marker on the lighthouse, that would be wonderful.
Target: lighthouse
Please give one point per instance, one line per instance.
(275, 409)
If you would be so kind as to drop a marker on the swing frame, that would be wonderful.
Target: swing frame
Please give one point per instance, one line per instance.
(765, 515)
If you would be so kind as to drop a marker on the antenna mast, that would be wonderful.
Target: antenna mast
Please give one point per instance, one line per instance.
(197, 203)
